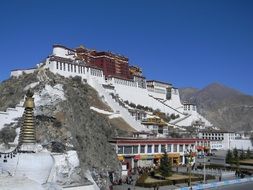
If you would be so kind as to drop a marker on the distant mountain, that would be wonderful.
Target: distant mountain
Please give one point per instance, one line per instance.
(225, 107)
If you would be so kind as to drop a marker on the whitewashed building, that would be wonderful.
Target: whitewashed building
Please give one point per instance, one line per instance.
(225, 140)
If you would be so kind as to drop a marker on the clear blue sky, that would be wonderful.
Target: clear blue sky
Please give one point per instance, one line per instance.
(187, 43)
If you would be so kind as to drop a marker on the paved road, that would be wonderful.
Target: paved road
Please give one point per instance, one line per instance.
(243, 186)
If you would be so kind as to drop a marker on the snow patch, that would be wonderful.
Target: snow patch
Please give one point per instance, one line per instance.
(32, 85)
(111, 114)
(101, 111)
(64, 167)
(49, 96)
(116, 115)
(18, 183)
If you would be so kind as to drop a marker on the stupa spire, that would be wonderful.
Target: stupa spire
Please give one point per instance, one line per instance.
(27, 131)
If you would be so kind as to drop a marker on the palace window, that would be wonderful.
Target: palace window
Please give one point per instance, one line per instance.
(156, 148)
(180, 148)
(149, 148)
(128, 149)
(135, 149)
(142, 148)
(174, 147)
(163, 148)
(120, 149)
(169, 148)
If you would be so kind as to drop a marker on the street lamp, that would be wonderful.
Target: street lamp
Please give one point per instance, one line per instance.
(190, 161)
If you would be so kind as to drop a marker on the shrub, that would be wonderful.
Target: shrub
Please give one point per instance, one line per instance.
(57, 124)
(77, 79)
(7, 134)
(58, 147)
(140, 107)
(132, 105)
(172, 116)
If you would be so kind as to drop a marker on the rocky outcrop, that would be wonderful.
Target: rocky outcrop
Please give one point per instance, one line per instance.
(67, 123)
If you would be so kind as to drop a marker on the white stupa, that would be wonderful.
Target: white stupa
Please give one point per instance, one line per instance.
(28, 160)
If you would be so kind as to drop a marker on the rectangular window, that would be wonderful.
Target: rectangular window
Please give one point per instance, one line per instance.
(163, 148)
(135, 149)
(169, 148)
(120, 149)
(149, 148)
(156, 148)
(57, 65)
(68, 67)
(180, 148)
(64, 68)
(142, 148)
(175, 148)
(128, 150)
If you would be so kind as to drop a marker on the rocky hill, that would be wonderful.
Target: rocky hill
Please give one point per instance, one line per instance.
(67, 123)
(226, 108)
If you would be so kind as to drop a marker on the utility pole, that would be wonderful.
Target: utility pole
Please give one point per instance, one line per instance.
(190, 167)
(204, 167)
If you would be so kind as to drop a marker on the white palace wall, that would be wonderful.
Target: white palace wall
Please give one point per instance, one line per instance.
(242, 144)
(156, 94)
(60, 51)
(175, 100)
(140, 96)
(17, 73)
(72, 70)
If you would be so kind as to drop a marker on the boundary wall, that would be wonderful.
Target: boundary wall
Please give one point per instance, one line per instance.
(214, 185)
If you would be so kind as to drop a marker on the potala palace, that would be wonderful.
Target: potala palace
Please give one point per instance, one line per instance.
(114, 79)
(151, 108)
